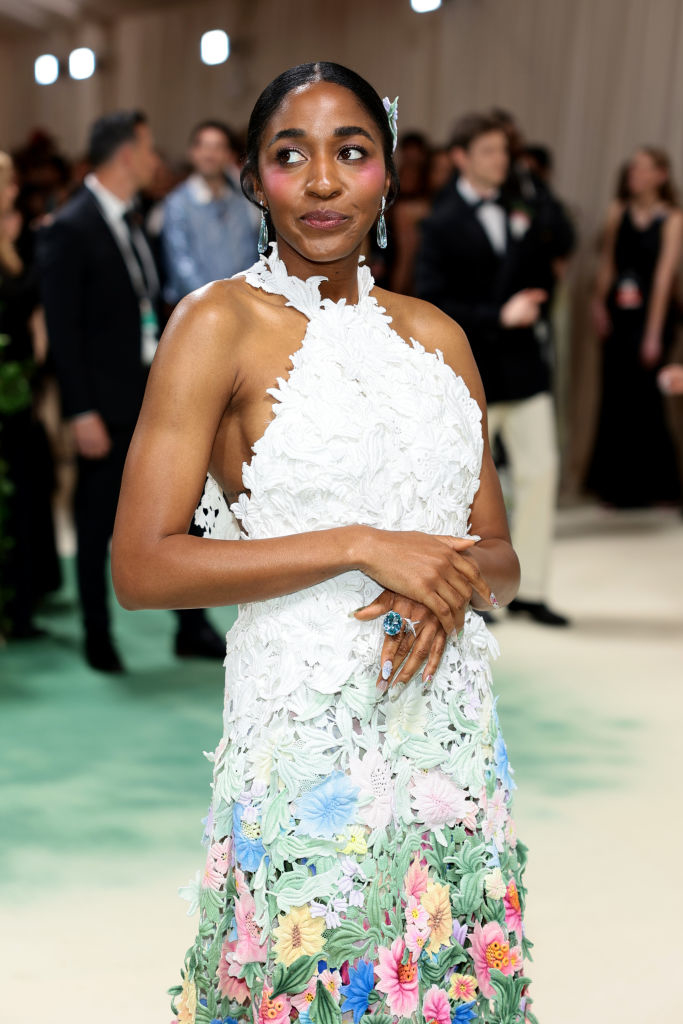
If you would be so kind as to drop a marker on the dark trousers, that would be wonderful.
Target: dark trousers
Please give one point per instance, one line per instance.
(97, 495)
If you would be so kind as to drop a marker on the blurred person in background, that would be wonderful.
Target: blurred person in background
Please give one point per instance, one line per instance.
(440, 171)
(28, 560)
(634, 314)
(410, 209)
(483, 268)
(209, 229)
(100, 290)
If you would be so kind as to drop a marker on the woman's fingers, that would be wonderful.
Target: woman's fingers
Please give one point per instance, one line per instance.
(434, 657)
(380, 606)
(418, 653)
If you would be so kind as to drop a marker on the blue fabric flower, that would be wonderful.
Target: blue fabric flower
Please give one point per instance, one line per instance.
(249, 851)
(327, 808)
(503, 769)
(357, 992)
(464, 1014)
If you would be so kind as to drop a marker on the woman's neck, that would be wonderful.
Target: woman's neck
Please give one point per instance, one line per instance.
(646, 201)
(341, 274)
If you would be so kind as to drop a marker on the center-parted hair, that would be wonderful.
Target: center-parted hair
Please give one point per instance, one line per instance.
(294, 78)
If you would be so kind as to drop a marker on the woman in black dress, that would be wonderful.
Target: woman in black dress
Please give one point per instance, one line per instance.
(633, 312)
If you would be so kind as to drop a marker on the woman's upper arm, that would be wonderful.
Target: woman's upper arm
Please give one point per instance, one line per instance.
(189, 387)
(488, 517)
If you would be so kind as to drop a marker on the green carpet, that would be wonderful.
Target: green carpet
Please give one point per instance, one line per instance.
(100, 770)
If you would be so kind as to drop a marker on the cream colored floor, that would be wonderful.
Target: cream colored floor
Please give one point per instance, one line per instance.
(592, 718)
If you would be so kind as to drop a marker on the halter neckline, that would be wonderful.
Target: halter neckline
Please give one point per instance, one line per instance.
(271, 274)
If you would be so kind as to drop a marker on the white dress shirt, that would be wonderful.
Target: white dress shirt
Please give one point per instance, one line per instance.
(490, 214)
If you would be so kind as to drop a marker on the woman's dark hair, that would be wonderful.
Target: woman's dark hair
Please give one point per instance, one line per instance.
(304, 74)
(662, 161)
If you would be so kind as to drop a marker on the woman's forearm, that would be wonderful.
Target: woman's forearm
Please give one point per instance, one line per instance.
(182, 571)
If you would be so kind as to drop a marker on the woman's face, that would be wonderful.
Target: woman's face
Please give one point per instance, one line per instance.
(322, 172)
(644, 175)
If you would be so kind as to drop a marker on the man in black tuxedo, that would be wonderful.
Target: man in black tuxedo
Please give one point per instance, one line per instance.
(478, 261)
(100, 292)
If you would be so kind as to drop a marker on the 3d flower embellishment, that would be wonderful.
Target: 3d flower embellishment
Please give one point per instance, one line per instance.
(392, 114)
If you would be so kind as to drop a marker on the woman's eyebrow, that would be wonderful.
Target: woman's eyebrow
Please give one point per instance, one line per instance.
(352, 130)
(287, 133)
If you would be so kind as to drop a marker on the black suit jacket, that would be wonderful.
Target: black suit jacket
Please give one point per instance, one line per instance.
(93, 314)
(458, 270)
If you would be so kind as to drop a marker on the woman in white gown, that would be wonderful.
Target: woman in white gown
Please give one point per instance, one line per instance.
(362, 861)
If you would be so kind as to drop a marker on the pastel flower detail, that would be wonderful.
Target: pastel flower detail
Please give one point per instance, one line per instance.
(332, 982)
(437, 903)
(465, 1013)
(516, 960)
(356, 993)
(436, 1008)
(303, 1000)
(211, 879)
(229, 984)
(416, 878)
(249, 850)
(495, 885)
(397, 980)
(438, 801)
(416, 913)
(416, 939)
(187, 1002)
(489, 950)
(249, 946)
(459, 933)
(298, 934)
(328, 807)
(372, 775)
(503, 769)
(513, 910)
(221, 855)
(462, 987)
(273, 1011)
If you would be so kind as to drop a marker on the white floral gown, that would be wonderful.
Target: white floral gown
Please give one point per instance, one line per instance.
(362, 861)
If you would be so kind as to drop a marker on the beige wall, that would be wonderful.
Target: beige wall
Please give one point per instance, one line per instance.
(591, 78)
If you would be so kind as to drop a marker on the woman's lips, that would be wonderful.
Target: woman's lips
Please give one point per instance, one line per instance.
(324, 219)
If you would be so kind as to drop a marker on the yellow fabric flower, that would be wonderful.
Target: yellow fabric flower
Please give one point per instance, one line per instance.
(437, 903)
(298, 934)
(355, 841)
(187, 1003)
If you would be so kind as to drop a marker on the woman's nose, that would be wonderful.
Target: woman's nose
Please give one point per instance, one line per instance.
(323, 180)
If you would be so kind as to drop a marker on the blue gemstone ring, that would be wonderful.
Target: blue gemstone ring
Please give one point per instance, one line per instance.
(392, 623)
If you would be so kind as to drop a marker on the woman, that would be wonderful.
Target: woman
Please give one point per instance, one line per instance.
(360, 847)
(28, 559)
(633, 312)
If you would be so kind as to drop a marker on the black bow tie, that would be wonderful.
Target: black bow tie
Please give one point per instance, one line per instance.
(494, 200)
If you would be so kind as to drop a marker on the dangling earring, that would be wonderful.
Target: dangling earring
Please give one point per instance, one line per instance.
(263, 233)
(382, 226)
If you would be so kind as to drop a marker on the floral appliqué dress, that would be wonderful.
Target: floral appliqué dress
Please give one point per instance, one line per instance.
(362, 861)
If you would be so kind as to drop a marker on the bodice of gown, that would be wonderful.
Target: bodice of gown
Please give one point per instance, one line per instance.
(367, 428)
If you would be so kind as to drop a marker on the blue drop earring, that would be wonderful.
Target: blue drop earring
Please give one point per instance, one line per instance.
(263, 233)
(382, 226)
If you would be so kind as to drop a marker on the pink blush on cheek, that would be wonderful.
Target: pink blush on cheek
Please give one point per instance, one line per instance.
(278, 185)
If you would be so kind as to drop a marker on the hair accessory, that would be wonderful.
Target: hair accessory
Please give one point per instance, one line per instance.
(392, 623)
(382, 226)
(392, 114)
(263, 233)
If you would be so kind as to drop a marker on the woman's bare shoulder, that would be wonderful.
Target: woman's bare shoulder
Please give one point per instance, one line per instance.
(434, 329)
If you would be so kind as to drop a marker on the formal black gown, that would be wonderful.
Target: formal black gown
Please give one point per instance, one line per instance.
(633, 463)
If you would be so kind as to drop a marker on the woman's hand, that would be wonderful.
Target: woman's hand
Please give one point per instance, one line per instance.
(428, 645)
(434, 571)
(602, 322)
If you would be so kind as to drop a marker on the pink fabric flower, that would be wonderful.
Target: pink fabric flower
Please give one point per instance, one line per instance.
(249, 948)
(332, 980)
(211, 879)
(416, 913)
(228, 983)
(516, 960)
(436, 1007)
(221, 855)
(274, 1011)
(416, 939)
(489, 950)
(416, 879)
(397, 980)
(438, 801)
(303, 1000)
(513, 910)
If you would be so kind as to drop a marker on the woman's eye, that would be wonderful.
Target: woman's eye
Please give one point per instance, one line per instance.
(289, 156)
(352, 153)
